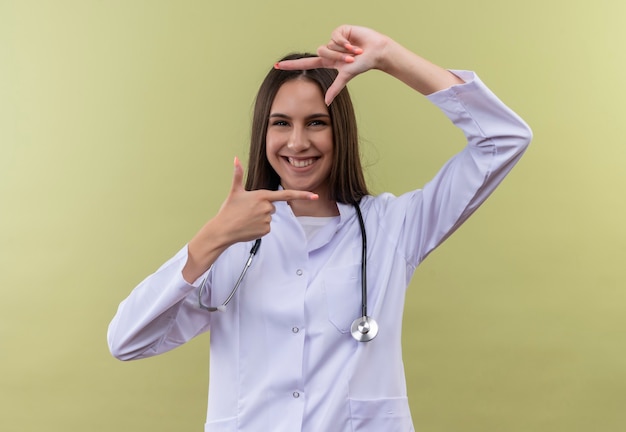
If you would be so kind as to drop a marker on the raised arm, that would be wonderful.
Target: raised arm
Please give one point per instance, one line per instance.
(496, 136)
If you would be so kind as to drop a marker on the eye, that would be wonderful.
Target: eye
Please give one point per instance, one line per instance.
(280, 123)
(318, 123)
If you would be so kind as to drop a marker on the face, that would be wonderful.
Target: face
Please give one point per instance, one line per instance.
(299, 141)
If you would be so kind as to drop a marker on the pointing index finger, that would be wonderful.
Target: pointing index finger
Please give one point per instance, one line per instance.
(291, 195)
(300, 64)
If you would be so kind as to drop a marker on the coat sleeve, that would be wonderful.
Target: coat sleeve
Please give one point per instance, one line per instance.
(496, 140)
(160, 314)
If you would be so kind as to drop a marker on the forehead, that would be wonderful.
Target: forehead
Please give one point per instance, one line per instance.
(299, 93)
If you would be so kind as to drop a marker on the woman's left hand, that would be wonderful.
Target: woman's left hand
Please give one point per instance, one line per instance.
(352, 50)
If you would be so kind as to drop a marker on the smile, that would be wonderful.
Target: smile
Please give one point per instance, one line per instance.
(301, 163)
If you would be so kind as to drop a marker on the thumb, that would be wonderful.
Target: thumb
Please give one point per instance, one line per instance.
(237, 177)
(335, 88)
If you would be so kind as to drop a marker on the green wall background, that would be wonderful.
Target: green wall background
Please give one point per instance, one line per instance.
(119, 121)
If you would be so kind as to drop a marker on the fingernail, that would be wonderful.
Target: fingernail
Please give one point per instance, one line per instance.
(277, 65)
(349, 47)
(358, 51)
(315, 196)
(349, 59)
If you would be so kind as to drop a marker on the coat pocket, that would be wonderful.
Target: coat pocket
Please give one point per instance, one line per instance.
(389, 415)
(342, 289)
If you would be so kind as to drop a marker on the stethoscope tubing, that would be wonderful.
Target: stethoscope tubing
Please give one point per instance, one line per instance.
(222, 307)
(364, 328)
(363, 261)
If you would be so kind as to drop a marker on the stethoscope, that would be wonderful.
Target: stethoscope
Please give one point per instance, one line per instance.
(363, 329)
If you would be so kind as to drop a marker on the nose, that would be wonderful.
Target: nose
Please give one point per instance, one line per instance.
(298, 140)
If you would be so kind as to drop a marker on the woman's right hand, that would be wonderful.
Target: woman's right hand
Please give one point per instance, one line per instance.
(244, 216)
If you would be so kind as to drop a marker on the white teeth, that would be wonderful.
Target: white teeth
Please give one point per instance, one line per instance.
(299, 163)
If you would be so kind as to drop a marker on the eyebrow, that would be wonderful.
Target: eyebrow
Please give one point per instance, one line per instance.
(312, 116)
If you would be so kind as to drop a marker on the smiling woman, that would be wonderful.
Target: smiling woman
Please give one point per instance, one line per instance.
(299, 144)
(284, 355)
(344, 185)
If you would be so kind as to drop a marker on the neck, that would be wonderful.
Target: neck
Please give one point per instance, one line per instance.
(319, 208)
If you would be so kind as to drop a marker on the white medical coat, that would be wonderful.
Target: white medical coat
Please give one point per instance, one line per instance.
(281, 356)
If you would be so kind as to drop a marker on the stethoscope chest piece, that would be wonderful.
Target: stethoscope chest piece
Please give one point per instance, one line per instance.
(364, 329)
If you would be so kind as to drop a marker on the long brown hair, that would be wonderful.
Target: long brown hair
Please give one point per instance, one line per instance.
(346, 180)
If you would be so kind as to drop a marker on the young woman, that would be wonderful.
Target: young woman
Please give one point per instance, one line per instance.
(310, 341)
